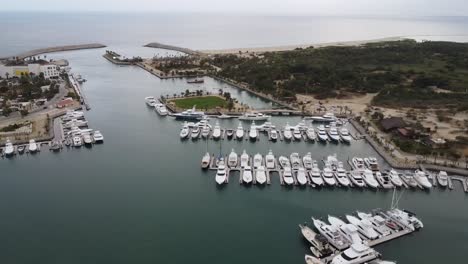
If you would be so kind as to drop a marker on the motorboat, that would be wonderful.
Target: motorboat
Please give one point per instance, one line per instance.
(55, 146)
(297, 133)
(307, 161)
(322, 134)
(98, 137)
(20, 149)
(356, 178)
(224, 116)
(364, 227)
(196, 81)
(357, 163)
(369, 178)
(284, 162)
(442, 178)
(75, 123)
(221, 173)
(240, 132)
(232, 159)
(287, 132)
(195, 133)
(32, 146)
(70, 115)
(378, 223)
(320, 246)
(150, 101)
(270, 161)
(341, 176)
(394, 178)
(205, 132)
(161, 109)
(266, 126)
(326, 118)
(253, 133)
(408, 178)
(384, 180)
(310, 133)
(217, 131)
(260, 175)
(205, 163)
(185, 131)
(334, 237)
(315, 175)
(405, 218)
(422, 179)
(229, 133)
(371, 163)
(349, 231)
(333, 134)
(244, 159)
(273, 134)
(189, 115)
(87, 139)
(77, 142)
(357, 253)
(327, 175)
(9, 148)
(295, 160)
(287, 176)
(247, 174)
(345, 135)
(257, 161)
(254, 116)
(333, 161)
(301, 176)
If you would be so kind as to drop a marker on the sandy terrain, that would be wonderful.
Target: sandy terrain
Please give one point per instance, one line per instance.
(357, 104)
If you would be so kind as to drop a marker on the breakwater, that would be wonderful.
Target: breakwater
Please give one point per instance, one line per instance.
(36, 52)
(158, 45)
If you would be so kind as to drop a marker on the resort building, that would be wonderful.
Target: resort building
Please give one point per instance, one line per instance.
(10, 69)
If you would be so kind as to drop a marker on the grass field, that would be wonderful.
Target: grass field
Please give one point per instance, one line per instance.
(205, 102)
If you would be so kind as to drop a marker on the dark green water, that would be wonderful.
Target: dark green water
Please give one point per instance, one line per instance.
(142, 198)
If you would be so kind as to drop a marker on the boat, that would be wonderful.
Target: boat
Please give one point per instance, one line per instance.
(205, 163)
(229, 133)
(247, 174)
(244, 159)
(341, 176)
(98, 137)
(297, 133)
(307, 161)
(364, 227)
(384, 180)
(322, 134)
(260, 175)
(270, 161)
(196, 80)
(254, 116)
(334, 237)
(240, 131)
(378, 223)
(224, 116)
(301, 176)
(195, 133)
(327, 175)
(273, 134)
(55, 146)
(150, 101)
(442, 178)
(326, 118)
(315, 175)
(284, 162)
(189, 115)
(232, 159)
(356, 178)
(295, 160)
(70, 115)
(394, 178)
(369, 178)
(77, 142)
(333, 134)
(87, 139)
(161, 109)
(185, 131)
(357, 253)
(357, 163)
(253, 133)
(333, 161)
(32, 146)
(320, 246)
(372, 163)
(9, 148)
(287, 132)
(20, 149)
(205, 132)
(422, 179)
(75, 123)
(345, 135)
(217, 131)
(349, 231)
(405, 218)
(287, 176)
(257, 160)
(310, 133)
(221, 173)
(408, 178)
(266, 126)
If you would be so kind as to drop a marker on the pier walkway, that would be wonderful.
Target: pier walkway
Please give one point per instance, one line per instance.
(36, 52)
(77, 88)
(158, 45)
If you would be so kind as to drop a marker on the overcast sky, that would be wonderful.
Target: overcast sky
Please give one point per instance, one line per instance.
(313, 7)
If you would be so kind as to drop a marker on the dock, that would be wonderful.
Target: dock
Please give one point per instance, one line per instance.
(36, 52)
(158, 45)
(79, 92)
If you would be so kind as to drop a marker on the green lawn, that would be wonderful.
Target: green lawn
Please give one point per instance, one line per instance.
(206, 102)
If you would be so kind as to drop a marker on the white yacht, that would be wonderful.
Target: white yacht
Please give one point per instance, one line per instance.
(284, 162)
(356, 178)
(77, 142)
(260, 175)
(442, 178)
(217, 131)
(422, 179)
(364, 227)
(349, 231)
(295, 160)
(320, 246)
(98, 137)
(327, 175)
(205, 132)
(221, 173)
(253, 133)
(372, 163)
(265, 127)
(307, 160)
(247, 174)
(270, 161)
(345, 136)
(297, 133)
(301, 176)
(240, 131)
(378, 223)
(150, 101)
(315, 175)
(310, 133)
(358, 163)
(32, 146)
(333, 134)
(357, 253)
(87, 139)
(185, 131)
(369, 178)
(408, 178)
(206, 160)
(9, 148)
(232, 159)
(161, 109)
(405, 218)
(333, 161)
(257, 161)
(287, 176)
(75, 123)
(254, 116)
(273, 134)
(333, 236)
(287, 132)
(195, 133)
(190, 114)
(384, 180)
(341, 176)
(328, 117)
(394, 178)
(244, 159)
(322, 134)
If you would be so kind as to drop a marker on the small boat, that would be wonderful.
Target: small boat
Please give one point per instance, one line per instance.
(394, 178)
(20, 149)
(333, 134)
(240, 132)
(422, 179)
(345, 136)
(341, 176)
(32, 146)
(408, 178)
(161, 109)
(194, 81)
(55, 146)
(185, 131)
(244, 159)
(369, 178)
(206, 160)
(301, 176)
(205, 132)
(257, 161)
(357, 163)
(310, 133)
(442, 178)
(357, 253)
(195, 133)
(253, 133)
(229, 133)
(327, 175)
(224, 116)
(273, 134)
(297, 133)
(270, 161)
(287, 176)
(221, 173)
(150, 101)
(232, 159)
(260, 175)
(254, 116)
(217, 131)
(247, 174)
(77, 142)
(284, 162)
(295, 160)
(372, 163)
(315, 175)
(287, 132)
(98, 137)
(307, 160)
(384, 180)
(322, 134)
(87, 139)
(356, 178)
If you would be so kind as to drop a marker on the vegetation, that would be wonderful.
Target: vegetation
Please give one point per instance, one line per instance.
(10, 128)
(205, 102)
(28, 87)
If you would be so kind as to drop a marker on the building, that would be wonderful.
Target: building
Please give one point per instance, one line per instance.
(65, 102)
(50, 71)
(392, 123)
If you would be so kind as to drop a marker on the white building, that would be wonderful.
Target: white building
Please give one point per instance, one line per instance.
(50, 71)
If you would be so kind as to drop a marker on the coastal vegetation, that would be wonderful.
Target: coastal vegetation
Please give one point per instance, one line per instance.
(201, 102)
(28, 87)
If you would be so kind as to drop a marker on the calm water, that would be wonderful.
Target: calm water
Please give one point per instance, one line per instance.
(142, 198)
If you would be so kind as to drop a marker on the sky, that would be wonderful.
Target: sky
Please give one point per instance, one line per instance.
(300, 7)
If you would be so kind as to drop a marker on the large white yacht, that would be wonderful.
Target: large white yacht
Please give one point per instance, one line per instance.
(405, 218)
(310, 133)
(369, 178)
(257, 160)
(244, 159)
(349, 231)
(357, 253)
(87, 139)
(301, 176)
(295, 160)
(284, 162)
(356, 178)
(422, 179)
(287, 176)
(221, 173)
(270, 161)
(9, 148)
(247, 174)
(345, 136)
(327, 175)
(333, 236)
(273, 134)
(253, 133)
(358, 163)
(333, 134)
(287, 132)
(297, 133)
(232, 159)
(98, 137)
(150, 101)
(32, 146)
(161, 109)
(205, 163)
(254, 116)
(195, 133)
(217, 131)
(77, 142)
(384, 180)
(364, 227)
(205, 131)
(260, 175)
(378, 223)
(190, 114)
(307, 160)
(341, 176)
(315, 175)
(442, 178)
(372, 163)
(185, 131)
(240, 131)
(395, 178)
(322, 134)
